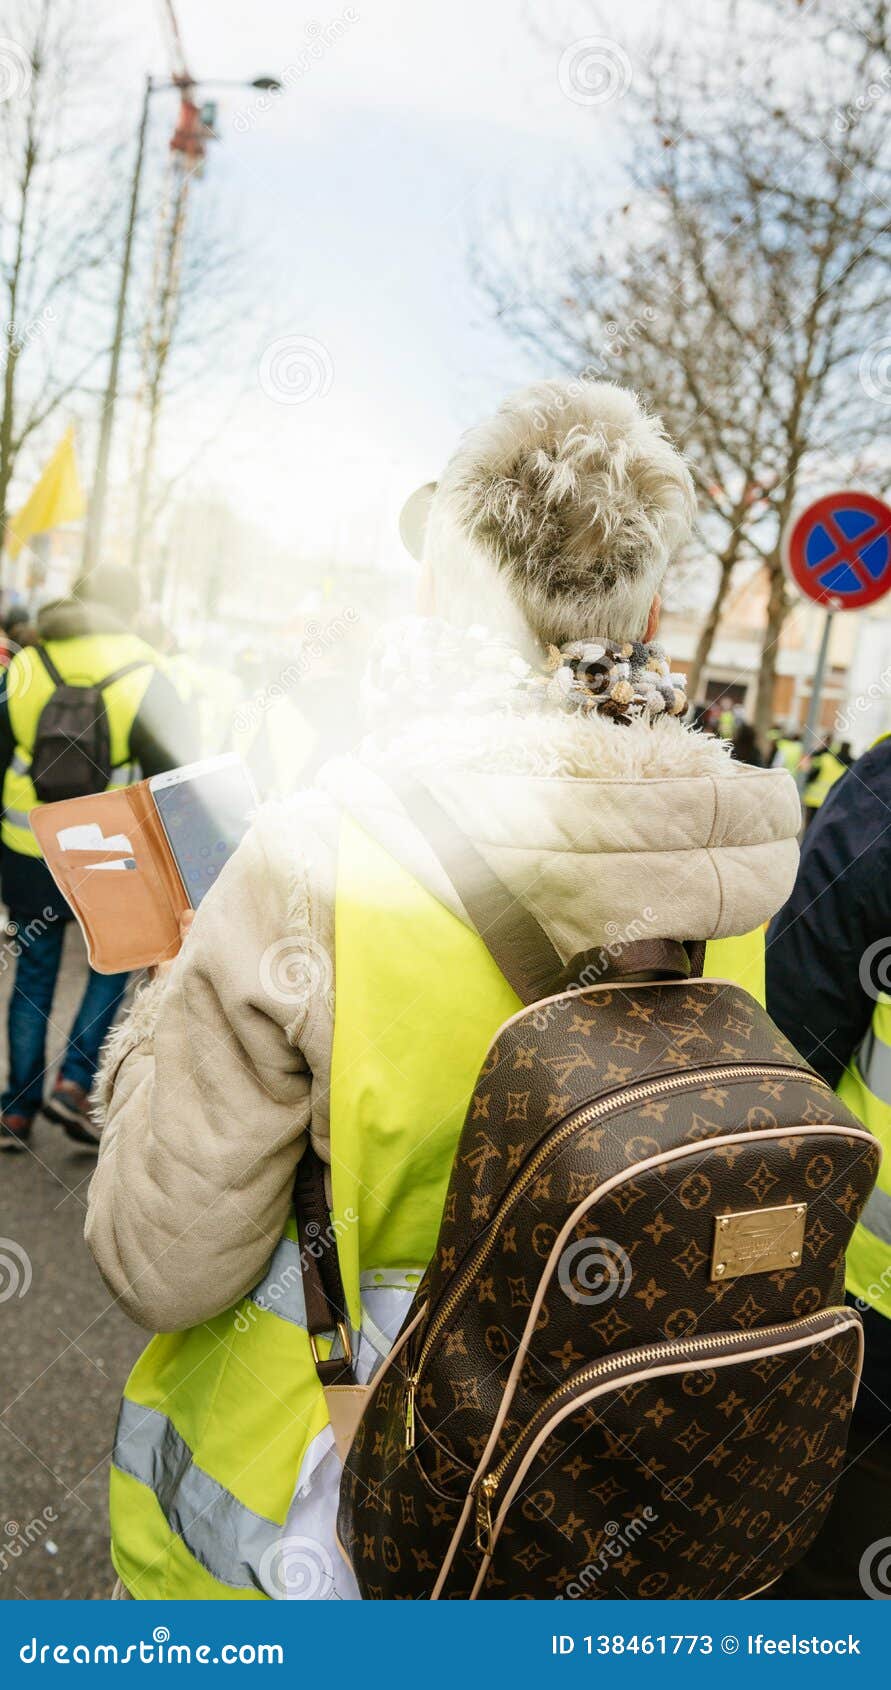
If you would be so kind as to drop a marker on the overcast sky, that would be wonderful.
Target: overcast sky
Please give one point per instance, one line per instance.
(359, 189)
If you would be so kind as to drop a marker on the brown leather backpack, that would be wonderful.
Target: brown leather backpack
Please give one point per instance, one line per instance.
(628, 1370)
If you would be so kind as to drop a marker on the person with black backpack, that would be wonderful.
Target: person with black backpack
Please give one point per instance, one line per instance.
(87, 707)
(462, 1086)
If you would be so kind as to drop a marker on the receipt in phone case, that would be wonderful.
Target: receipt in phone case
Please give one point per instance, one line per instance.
(88, 836)
(115, 862)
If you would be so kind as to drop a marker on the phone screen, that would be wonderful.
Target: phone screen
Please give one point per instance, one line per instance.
(205, 813)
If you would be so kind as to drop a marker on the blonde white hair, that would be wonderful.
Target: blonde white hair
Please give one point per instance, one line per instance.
(557, 517)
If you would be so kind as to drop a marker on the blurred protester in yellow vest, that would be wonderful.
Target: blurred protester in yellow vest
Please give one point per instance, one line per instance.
(84, 641)
(822, 769)
(788, 750)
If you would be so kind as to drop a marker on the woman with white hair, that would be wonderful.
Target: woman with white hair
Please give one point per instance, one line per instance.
(334, 999)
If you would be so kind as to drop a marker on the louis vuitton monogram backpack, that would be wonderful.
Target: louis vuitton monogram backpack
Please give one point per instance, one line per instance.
(628, 1370)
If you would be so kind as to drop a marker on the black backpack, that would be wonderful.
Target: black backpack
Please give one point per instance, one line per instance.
(72, 746)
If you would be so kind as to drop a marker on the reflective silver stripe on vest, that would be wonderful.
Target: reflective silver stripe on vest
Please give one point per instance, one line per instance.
(876, 1217)
(20, 765)
(226, 1538)
(874, 1062)
(385, 1292)
(126, 774)
(280, 1291)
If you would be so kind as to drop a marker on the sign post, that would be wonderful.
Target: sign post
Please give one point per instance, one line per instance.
(811, 732)
(837, 551)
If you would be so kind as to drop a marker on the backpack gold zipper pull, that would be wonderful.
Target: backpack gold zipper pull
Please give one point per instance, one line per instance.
(484, 1528)
(411, 1387)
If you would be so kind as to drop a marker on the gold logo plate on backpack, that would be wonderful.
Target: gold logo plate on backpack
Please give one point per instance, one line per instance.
(758, 1240)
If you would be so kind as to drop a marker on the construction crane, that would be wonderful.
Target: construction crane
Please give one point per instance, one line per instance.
(194, 125)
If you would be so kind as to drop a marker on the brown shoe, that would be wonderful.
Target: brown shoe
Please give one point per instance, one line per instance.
(15, 1132)
(69, 1106)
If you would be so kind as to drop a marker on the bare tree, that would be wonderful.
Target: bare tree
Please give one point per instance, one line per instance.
(745, 285)
(54, 235)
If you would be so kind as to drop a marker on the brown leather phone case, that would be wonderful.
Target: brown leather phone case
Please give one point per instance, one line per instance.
(129, 917)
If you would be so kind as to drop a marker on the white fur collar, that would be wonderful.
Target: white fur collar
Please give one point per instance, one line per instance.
(555, 744)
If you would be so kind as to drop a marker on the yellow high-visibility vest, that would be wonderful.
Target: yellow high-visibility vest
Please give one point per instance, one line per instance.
(83, 660)
(865, 1087)
(829, 770)
(217, 1422)
(791, 752)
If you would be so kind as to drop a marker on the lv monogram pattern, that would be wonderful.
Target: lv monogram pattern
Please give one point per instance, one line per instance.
(545, 1128)
(707, 1483)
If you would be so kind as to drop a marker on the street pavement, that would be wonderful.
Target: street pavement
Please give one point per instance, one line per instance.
(65, 1352)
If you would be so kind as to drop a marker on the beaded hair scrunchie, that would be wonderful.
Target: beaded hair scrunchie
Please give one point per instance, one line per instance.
(623, 680)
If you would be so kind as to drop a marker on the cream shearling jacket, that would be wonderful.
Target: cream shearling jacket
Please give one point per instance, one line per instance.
(211, 1084)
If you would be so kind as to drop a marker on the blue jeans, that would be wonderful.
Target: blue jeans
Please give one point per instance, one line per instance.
(38, 953)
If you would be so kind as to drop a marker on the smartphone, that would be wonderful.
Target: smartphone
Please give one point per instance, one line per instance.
(205, 810)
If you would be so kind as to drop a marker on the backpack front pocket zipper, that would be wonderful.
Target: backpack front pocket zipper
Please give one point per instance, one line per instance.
(613, 1370)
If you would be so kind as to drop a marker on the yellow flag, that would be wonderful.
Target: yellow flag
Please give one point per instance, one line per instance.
(56, 497)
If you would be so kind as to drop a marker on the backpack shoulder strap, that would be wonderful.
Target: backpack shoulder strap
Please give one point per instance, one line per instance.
(511, 934)
(125, 669)
(638, 960)
(49, 666)
(323, 1292)
(108, 680)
